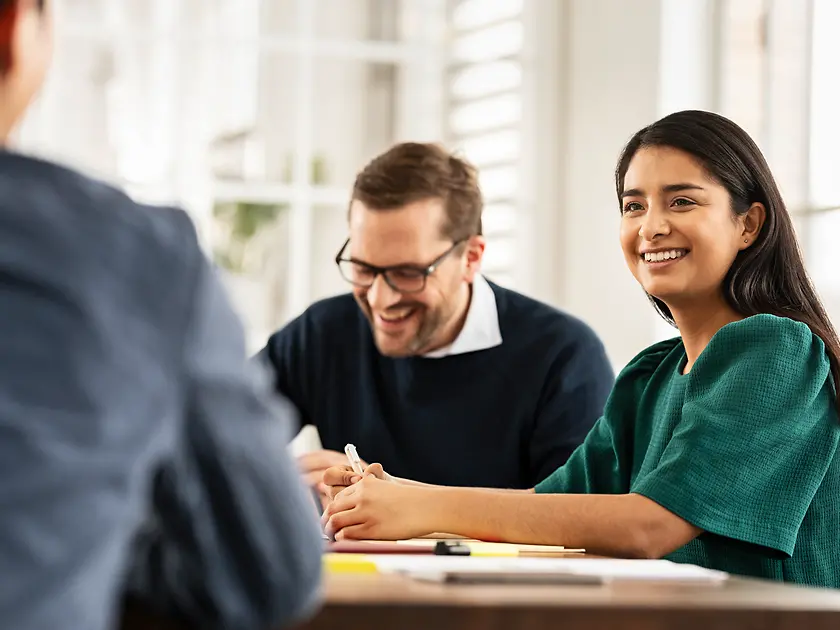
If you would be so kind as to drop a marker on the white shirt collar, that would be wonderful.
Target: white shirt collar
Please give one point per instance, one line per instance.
(481, 327)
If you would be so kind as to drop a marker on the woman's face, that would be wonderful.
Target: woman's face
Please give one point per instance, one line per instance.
(678, 232)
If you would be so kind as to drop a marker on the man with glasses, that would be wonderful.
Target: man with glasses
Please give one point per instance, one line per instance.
(427, 367)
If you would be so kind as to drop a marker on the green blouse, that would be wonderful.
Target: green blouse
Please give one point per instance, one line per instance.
(744, 446)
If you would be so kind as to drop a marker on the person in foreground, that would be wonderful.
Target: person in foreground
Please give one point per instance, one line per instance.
(718, 449)
(426, 356)
(123, 374)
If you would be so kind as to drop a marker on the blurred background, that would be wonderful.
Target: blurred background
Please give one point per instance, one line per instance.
(255, 115)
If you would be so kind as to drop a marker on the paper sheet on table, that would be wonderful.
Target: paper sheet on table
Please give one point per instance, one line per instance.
(595, 569)
(483, 548)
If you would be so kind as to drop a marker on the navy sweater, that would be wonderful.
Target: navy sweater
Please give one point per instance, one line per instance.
(505, 417)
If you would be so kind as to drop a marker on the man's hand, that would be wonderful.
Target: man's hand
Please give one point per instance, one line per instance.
(313, 465)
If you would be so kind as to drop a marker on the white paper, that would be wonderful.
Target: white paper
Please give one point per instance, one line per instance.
(606, 569)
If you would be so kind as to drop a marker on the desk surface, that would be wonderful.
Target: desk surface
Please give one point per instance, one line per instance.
(365, 602)
(372, 601)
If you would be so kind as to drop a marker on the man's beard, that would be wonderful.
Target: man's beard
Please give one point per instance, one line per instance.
(430, 321)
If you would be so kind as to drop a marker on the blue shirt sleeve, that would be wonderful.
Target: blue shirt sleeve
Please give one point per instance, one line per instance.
(234, 540)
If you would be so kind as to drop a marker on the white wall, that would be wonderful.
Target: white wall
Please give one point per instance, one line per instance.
(603, 88)
(601, 70)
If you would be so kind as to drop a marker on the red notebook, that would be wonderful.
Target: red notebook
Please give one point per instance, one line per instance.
(377, 546)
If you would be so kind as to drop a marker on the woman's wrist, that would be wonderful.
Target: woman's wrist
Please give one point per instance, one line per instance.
(469, 512)
(434, 512)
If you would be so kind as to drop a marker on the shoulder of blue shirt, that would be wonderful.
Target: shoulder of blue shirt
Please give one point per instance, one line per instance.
(105, 214)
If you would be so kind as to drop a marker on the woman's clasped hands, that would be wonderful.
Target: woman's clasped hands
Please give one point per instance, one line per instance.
(374, 506)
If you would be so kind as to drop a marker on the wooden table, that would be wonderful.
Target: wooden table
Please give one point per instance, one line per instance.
(371, 602)
(389, 602)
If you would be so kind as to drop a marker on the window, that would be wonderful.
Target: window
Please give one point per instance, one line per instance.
(252, 114)
(483, 122)
(771, 65)
(779, 81)
(822, 223)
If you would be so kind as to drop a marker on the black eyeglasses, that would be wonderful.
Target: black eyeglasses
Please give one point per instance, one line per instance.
(401, 278)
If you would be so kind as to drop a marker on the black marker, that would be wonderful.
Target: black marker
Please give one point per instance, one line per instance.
(451, 548)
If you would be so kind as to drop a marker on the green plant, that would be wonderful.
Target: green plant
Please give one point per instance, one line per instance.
(246, 218)
(242, 221)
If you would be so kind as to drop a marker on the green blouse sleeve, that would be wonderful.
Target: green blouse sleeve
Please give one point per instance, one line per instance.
(757, 434)
(591, 468)
(601, 464)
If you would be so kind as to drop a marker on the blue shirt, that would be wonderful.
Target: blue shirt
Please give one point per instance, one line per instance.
(138, 454)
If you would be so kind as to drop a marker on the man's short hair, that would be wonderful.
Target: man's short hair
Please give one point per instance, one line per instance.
(411, 172)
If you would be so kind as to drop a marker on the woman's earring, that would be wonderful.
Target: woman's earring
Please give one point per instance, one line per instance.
(746, 240)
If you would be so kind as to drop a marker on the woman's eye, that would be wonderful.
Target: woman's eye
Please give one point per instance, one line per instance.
(633, 206)
(683, 202)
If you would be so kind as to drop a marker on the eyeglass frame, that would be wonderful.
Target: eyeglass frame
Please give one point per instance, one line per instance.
(383, 271)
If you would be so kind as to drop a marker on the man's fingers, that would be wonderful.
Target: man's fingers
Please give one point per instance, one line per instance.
(340, 476)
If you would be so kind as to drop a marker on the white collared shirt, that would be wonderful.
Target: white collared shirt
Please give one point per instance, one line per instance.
(481, 327)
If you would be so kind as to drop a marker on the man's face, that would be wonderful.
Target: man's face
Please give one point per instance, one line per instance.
(411, 323)
(27, 50)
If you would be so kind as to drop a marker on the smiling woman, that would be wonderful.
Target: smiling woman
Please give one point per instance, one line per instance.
(695, 180)
(719, 448)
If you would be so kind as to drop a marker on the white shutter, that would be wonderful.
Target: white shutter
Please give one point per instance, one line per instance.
(484, 115)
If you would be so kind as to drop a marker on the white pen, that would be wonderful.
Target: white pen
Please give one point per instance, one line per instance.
(353, 457)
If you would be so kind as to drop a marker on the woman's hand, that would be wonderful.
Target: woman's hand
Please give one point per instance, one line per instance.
(337, 478)
(375, 509)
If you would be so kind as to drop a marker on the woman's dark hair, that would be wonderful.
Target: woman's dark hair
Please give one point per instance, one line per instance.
(769, 276)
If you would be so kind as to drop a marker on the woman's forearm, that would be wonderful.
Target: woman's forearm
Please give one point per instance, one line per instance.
(411, 482)
(627, 525)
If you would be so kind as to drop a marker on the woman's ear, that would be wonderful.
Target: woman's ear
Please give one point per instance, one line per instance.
(752, 222)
